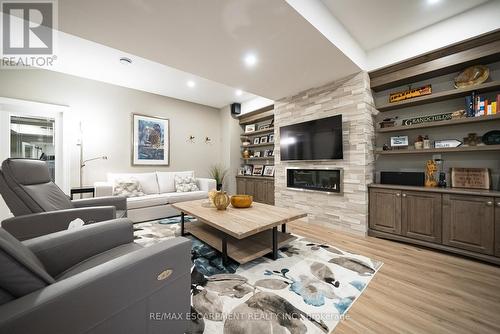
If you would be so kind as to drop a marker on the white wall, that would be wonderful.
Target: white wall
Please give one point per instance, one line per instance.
(105, 111)
(255, 104)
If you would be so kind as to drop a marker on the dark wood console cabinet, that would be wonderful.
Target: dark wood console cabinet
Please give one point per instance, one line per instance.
(497, 227)
(261, 188)
(465, 222)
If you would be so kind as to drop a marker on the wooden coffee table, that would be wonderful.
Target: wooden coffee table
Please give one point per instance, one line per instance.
(241, 234)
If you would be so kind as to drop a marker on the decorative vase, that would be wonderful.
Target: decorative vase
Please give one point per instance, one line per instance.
(246, 153)
(241, 201)
(221, 200)
(211, 195)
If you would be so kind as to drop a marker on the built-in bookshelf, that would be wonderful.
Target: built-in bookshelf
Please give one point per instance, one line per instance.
(257, 155)
(431, 216)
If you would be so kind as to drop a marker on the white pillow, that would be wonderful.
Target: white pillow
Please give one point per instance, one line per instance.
(166, 180)
(127, 188)
(148, 181)
(185, 184)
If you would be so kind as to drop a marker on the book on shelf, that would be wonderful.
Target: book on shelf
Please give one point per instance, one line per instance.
(476, 105)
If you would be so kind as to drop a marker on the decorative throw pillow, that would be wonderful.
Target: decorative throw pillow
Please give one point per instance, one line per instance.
(127, 188)
(185, 184)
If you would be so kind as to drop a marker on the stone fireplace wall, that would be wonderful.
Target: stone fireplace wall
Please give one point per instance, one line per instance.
(352, 98)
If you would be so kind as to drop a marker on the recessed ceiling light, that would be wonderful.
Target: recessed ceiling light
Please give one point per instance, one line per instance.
(250, 59)
(433, 2)
(191, 83)
(238, 92)
(125, 61)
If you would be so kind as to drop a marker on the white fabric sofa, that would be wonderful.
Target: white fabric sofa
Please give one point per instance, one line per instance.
(159, 189)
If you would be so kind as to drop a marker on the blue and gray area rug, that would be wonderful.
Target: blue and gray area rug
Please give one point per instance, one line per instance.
(308, 289)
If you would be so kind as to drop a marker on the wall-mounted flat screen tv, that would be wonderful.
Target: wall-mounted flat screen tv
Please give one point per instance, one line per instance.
(320, 139)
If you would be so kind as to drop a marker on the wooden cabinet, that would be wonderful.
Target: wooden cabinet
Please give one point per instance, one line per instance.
(497, 227)
(261, 189)
(385, 210)
(421, 216)
(461, 221)
(241, 186)
(468, 222)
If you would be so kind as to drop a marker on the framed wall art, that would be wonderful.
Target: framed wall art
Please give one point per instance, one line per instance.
(150, 140)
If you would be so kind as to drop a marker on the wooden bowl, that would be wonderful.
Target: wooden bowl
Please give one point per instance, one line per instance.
(241, 201)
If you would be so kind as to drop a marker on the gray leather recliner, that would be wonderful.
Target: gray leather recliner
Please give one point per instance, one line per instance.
(94, 280)
(41, 207)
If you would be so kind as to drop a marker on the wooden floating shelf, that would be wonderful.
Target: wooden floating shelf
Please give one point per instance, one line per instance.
(480, 148)
(257, 145)
(257, 132)
(440, 96)
(255, 177)
(482, 50)
(465, 120)
(259, 159)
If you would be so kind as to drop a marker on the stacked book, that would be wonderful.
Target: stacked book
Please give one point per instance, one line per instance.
(477, 105)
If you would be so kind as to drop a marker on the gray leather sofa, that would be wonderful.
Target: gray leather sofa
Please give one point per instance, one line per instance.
(94, 279)
(41, 207)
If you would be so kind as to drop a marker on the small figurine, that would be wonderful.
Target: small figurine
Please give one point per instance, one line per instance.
(419, 143)
(430, 169)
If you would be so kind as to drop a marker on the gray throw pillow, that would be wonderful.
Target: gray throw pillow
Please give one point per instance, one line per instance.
(20, 270)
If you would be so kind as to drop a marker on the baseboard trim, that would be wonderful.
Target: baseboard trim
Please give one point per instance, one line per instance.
(440, 247)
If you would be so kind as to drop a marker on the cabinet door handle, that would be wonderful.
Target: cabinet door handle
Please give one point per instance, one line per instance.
(489, 203)
(498, 204)
(398, 194)
(404, 195)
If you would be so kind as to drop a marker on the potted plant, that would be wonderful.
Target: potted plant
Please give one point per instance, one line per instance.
(218, 173)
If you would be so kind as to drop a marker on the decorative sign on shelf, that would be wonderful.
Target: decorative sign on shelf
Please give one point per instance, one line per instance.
(410, 94)
(399, 141)
(475, 178)
(447, 143)
(427, 119)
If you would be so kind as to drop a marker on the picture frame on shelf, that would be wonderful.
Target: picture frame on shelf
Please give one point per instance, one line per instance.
(241, 171)
(268, 171)
(256, 154)
(248, 169)
(257, 170)
(266, 153)
(263, 139)
(256, 141)
(249, 128)
(270, 153)
(264, 126)
(271, 138)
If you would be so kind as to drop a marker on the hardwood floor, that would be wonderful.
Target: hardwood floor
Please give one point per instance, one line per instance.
(417, 290)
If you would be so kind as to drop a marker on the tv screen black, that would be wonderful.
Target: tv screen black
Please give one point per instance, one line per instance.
(320, 139)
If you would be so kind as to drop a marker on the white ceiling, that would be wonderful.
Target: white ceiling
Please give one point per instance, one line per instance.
(299, 44)
(374, 23)
(83, 58)
(210, 38)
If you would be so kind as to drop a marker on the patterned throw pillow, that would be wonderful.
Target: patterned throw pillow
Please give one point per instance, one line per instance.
(127, 188)
(185, 184)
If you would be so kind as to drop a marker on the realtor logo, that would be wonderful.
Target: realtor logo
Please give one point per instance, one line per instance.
(27, 27)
